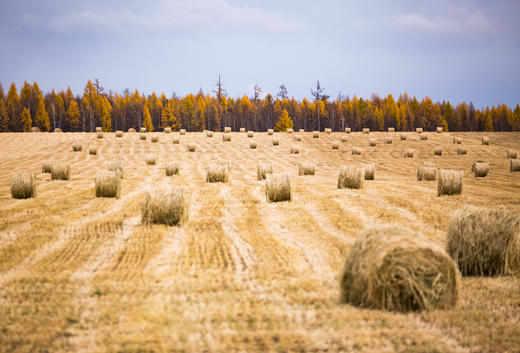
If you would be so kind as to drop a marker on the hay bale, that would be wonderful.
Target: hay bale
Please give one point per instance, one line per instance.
(58, 130)
(462, 150)
(278, 187)
(119, 133)
(301, 131)
(117, 168)
(344, 138)
(252, 145)
(192, 147)
(426, 173)
(226, 137)
(297, 137)
(437, 151)
(419, 130)
(276, 141)
(457, 140)
(60, 171)
(511, 154)
(351, 178)
(99, 135)
(77, 146)
(295, 150)
(391, 129)
(480, 169)
(439, 130)
(142, 130)
(485, 140)
(23, 186)
(167, 130)
(450, 182)
(306, 168)
(167, 207)
(151, 159)
(270, 131)
(182, 132)
(142, 136)
(403, 137)
(485, 242)
(396, 269)
(92, 151)
(357, 150)
(335, 145)
(328, 131)
(348, 130)
(172, 168)
(372, 141)
(290, 131)
(250, 134)
(47, 167)
(227, 129)
(131, 129)
(315, 134)
(264, 169)
(242, 129)
(408, 153)
(209, 134)
(176, 140)
(217, 173)
(388, 140)
(514, 165)
(99, 129)
(108, 185)
(366, 130)
(155, 138)
(424, 137)
(35, 129)
(370, 170)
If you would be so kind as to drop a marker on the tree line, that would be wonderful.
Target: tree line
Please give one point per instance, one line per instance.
(28, 108)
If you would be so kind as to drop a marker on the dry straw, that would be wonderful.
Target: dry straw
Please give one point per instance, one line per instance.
(252, 145)
(388, 139)
(35, 129)
(276, 141)
(424, 137)
(450, 182)
(511, 154)
(295, 150)
(462, 150)
(278, 187)
(155, 138)
(117, 168)
(172, 168)
(335, 145)
(372, 141)
(306, 168)
(142, 136)
(297, 137)
(370, 170)
(47, 167)
(99, 135)
(408, 153)
(250, 134)
(119, 133)
(485, 242)
(328, 131)
(165, 207)
(315, 134)
(227, 129)
(23, 186)
(209, 134)
(457, 140)
(176, 140)
(60, 171)
(428, 164)
(108, 185)
(131, 129)
(396, 269)
(264, 169)
(439, 130)
(514, 165)
(419, 130)
(217, 173)
(350, 178)
(242, 129)
(99, 129)
(348, 130)
(356, 150)
(92, 151)
(366, 130)
(192, 147)
(344, 138)
(485, 140)
(77, 146)
(182, 132)
(480, 169)
(437, 151)
(143, 130)
(167, 130)
(151, 159)
(270, 131)
(226, 137)
(402, 137)
(426, 172)
(391, 129)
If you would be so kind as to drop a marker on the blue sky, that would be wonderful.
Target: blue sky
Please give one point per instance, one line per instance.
(458, 50)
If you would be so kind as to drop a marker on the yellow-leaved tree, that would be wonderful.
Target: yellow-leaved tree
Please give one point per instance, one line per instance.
(26, 120)
(168, 118)
(41, 119)
(147, 119)
(284, 122)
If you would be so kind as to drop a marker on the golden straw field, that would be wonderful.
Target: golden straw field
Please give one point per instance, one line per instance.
(83, 274)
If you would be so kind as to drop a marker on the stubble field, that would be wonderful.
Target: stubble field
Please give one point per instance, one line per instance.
(80, 273)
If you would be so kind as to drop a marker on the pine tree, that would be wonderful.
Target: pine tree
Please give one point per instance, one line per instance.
(147, 123)
(284, 122)
(105, 109)
(168, 118)
(72, 116)
(41, 119)
(26, 121)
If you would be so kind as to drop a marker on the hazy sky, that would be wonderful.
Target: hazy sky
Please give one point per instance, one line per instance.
(459, 50)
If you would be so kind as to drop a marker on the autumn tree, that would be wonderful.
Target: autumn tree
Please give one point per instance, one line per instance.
(168, 118)
(147, 119)
(26, 121)
(284, 122)
(72, 116)
(41, 119)
(4, 118)
(13, 109)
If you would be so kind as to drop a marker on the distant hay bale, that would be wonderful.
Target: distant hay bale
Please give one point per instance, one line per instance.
(242, 129)
(176, 140)
(328, 131)
(511, 154)
(270, 131)
(217, 173)
(182, 132)
(278, 187)
(396, 269)
(167, 130)
(276, 141)
(301, 131)
(167, 207)
(131, 129)
(514, 165)
(252, 145)
(357, 150)
(344, 138)
(99, 135)
(99, 129)
(23, 186)
(403, 137)
(192, 147)
(351, 178)
(58, 130)
(297, 137)
(370, 170)
(151, 159)
(419, 130)
(142, 136)
(295, 150)
(315, 134)
(60, 171)
(462, 150)
(154, 138)
(480, 169)
(485, 140)
(457, 140)
(172, 168)
(450, 182)
(372, 141)
(391, 129)
(335, 145)
(108, 185)
(348, 130)
(426, 173)
(227, 129)
(77, 146)
(250, 134)
(424, 137)
(366, 130)
(439, 130)
(306, 168)
(226, 137)
(117, 168)
(388, 139)
(47, 167)
(35, 129)
(437, 151)
(408, 153)
(290, 131)
(485, 242)
(142, 130)
(264, 169)
(92, 150)
(209, 134)
(119, 133)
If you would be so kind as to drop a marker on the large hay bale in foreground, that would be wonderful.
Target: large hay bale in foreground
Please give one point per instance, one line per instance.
(23, 186)
(426, 173)
(165, 207)
(391, 129)
(462, 150)
(419, 130)
(252, 145)
(167, 130)
(47, 167)
(306, 168)
(278, 187)
(276, 141)
(192, 147)
(270, 131)
(370, 170)
(151, 159)
(60, 171)
(217, 173)
(485, 140)
(226, 137)
(356, 150)
(514, 165)
(485, 242)
(77, 146)
(424, 137)
(480, 169)
(348, 130)
(117, 168)
(315, 134)
(351, 178)
(403, 137)
(450, 182)
(264, 169)
(372, 141)
(250, 134)
(408, 153)
(182, 132)
(388, 140)
(108, 184)
(227, 129)
(328, 131)
(437, 151)
(142, 136)
(92, 150)
(439, 130)
(511, 154)
(154, 138)
(396, 269)
(99, 129)
(172, 168)
(295, 150)
(119, 133)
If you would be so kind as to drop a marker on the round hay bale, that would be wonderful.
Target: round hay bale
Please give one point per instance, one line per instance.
(58, 130)
(485, 242)
(403, 137)
(426, 173)
(344, 138)
(119, 133)
(182, 132)
(396, 269)
(92, 150)
(250, 134)
(242, 129)
(290, 131)
(462, 150)
(357, 150)
(60, 171)
(511, 154)
(99, 129)
(217, 173)
(315, 134)
(295, 150)
(154, 138)
(117, 168)
(47, 167)
(391, 129)
(227, 129)
(480, 169)
(457, 140)
(167, 130)
(424, 137)
(328, 131)
(366, 130)
(335, 145)
(77, 146)
(226, 137)
(99, 135)
(278, 187)
(171, 168)
(351, 178)
(485, 140)
(131, 129)
(419, 130)
(276, 141)
(192, 147)
(437, 151)
(264, 169)
(23, 186)
(388, 140)
(252, 145)
(165, 207)
(408, 153)
(306, 168)
(142, 136)
(301, 131)
(439, 130)
(108, 185)
(297, 137)
(348, 130)
(35, 129)
(372, 141)
(151, 159)
(270, 131)
(514, 165)
(142, 130)
(209, 134)
(450, 182)
(370, 170)
(176, 140)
